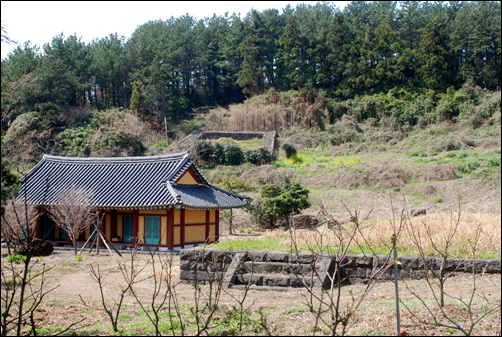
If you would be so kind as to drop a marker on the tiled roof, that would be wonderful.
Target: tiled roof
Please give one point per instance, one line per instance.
(131, 183)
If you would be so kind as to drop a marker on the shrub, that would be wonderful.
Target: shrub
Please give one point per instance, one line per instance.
(463, 169)
(76, 141)
(259, 156)
(161, 143)
(117, 144)
(11, 258)
(202, 152)
(291, 200)
(473, 165)
(233, 154)
(289, 149)
(270, 190)
(219, 153)
(252, 156)
(235, 185)
(493, 162)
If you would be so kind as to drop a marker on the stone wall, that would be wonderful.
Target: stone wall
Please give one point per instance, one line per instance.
(280, 269)
(269, 138)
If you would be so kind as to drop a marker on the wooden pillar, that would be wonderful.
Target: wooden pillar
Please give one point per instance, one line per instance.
(135, 226)
(207, 226)
(101, 225)
(217, 225)
(114, 224)
(182, 228)
(170, 229)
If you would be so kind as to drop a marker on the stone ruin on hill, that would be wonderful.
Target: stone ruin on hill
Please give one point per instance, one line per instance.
(270, 142)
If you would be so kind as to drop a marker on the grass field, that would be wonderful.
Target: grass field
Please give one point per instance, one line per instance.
(374, 236)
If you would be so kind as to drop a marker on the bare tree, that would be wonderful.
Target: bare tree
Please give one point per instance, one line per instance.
(5, 36)
(130, 273)
(23, 284)
(73, 213)
(477, 305)
(331, 248)
(440, 246)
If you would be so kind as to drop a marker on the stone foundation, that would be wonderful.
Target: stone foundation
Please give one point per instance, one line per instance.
(271, 269)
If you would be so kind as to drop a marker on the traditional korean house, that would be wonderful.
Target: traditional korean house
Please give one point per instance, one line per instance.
(159, 201)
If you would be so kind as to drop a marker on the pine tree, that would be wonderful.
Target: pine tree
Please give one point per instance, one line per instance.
(138, 98)
(435, 57)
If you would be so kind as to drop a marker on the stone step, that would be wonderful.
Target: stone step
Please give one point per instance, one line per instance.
(276, 268)
(261, 288)
(275, 280)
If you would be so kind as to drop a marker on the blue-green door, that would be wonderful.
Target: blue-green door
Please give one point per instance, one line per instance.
(94, 224)
(46, 227)
(152, 230)
(62, 234)
(128, 236)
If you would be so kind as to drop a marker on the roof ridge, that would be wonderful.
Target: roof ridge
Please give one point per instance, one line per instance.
(108, 160)
(169, 187)
(181, 164)
(227, 191)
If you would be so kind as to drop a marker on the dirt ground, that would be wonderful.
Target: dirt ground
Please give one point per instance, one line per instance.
(283, 312)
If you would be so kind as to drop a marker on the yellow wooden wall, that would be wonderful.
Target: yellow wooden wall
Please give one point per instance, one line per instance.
(187, 179)
(195, 233)
(108, 226)
(163, 230)
(141, 229)
(195, 217)
(120, 221)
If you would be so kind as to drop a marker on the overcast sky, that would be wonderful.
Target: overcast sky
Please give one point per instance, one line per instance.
(40, 21)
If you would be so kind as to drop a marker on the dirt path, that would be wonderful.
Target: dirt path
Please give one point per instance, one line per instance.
(284, 312)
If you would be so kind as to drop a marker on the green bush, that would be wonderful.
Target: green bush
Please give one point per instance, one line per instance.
(259, 156)
(270, 190)
(233, 155)
(473, 165)
(493, 162)
(235, 185)
(468, 167)
(11, 258)
(202, 152)
(252, 156)
(161, 143)
(289, 149)
(219, 154)
(463, 169)
(291, 200)
(76, 141)
(117, 144)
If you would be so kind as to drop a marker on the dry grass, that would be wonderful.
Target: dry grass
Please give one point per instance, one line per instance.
(439, 172)
(378, 233)
(261, 114)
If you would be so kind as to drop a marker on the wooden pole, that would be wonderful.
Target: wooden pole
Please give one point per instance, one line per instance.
(105, 239)
(97, 245)
(83, 247)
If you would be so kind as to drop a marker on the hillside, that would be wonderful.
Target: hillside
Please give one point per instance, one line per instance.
(364, 164)
(364, 152)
